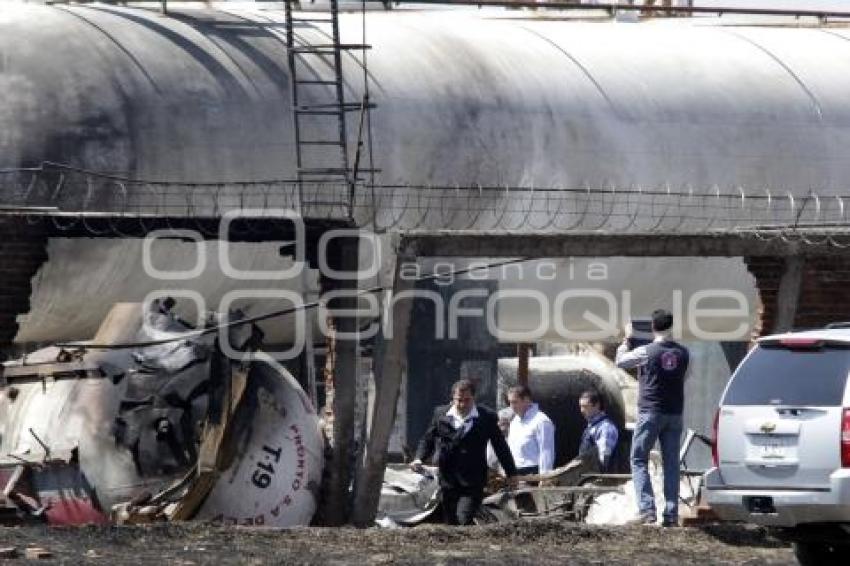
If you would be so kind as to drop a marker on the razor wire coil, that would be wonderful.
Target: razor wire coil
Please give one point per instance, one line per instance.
(73, 197)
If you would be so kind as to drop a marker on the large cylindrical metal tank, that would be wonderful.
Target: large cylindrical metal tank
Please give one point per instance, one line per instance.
(557, 382)
(466, 97)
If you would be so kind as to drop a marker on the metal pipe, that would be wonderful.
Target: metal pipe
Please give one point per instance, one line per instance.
(522, 352)
(613, 7)
(607, 7)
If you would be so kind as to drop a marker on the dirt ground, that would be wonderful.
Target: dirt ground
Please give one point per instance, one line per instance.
(531, 542)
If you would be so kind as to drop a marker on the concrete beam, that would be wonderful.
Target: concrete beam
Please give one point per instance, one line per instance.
(588, 244)
(107, 225)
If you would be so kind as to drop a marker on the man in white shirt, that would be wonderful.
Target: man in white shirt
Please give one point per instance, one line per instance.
(531, 436)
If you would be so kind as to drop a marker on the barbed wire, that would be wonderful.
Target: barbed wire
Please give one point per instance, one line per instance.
(73, 198)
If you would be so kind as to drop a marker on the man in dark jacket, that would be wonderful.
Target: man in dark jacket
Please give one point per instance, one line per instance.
(459, 434)
(662, 368)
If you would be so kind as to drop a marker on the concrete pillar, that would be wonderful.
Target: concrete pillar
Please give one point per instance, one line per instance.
(389, 371)
(788, 294)
(343, 257)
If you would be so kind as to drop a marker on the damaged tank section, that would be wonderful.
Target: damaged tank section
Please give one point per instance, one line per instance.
(557, 381)
(170, 429)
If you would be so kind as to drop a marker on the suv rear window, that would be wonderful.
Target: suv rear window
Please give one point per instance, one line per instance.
(779, 376)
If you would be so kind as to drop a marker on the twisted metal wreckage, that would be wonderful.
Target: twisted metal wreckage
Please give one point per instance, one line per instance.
(168, 431)
(576, 491)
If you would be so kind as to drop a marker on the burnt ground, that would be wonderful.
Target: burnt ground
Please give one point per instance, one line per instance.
(530, 542)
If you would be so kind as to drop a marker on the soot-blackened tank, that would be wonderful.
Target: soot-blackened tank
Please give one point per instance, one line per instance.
(463, 97)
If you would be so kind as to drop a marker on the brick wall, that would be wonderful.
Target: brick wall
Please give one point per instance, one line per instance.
(23, 249)
(824, 291)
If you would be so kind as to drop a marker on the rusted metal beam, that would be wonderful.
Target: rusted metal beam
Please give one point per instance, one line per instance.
(522, 352)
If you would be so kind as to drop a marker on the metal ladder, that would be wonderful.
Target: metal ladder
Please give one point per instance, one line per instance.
(322, 159)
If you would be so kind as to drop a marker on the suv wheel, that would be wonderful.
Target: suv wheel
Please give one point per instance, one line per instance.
(819, 553)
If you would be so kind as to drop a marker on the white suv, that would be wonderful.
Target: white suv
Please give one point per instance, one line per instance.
(782, 442)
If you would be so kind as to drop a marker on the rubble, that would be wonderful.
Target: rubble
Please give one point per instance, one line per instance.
(539, 542)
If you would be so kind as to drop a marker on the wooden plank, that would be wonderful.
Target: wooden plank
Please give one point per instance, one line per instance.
(388, 372)
(121, 324)
(334, 508)
(522, 361)
(209, 455)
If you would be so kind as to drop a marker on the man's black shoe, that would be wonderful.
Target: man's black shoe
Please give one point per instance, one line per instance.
(669, 523)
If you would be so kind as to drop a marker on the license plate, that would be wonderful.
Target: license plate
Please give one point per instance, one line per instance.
(773, 450)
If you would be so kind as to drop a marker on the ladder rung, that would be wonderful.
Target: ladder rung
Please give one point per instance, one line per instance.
(323, 171)
(326, 179)
(343, 106)
(337, 46)
(333, 171)
(322, 49)
(313, 20)
(315, 82)
(320, 142)
(320, 203)
(318, 112)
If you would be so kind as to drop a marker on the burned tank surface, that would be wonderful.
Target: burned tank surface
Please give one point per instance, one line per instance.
(483, 97)
(173, 429)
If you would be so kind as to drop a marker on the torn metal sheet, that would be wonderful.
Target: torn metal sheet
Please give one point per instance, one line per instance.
(407, 497)
(168, 431)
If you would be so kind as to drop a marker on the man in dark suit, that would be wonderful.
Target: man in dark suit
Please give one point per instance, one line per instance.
(459, 434)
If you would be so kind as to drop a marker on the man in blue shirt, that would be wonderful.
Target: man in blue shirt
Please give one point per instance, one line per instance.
(600, 437)
(662, 365)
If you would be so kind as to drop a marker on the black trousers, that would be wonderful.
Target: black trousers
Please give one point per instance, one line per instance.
(461, 504)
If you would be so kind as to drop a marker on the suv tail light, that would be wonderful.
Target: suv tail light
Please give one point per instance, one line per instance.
(715, 460)
(845, 439)
(801, 343)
